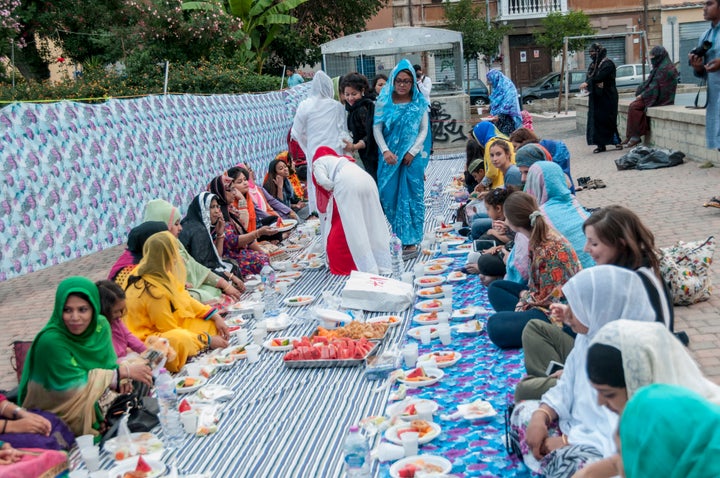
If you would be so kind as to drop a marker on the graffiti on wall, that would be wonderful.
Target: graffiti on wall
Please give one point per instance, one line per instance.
(444, 124)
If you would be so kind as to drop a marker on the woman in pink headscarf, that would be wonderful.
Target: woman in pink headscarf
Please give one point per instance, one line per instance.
(357, 236)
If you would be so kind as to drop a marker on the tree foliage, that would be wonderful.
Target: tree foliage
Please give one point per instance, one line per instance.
(479, 37)
(557, 26)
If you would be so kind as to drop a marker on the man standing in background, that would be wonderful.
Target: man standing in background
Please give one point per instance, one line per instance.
(424, 83)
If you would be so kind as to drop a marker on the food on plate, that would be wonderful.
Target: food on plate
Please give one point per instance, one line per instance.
(433, 304)
(429, 280)
(356, 330)
(279, 342)
(184, 406)
(279, 223)
(301, 299)
(409, 470)
(142, 470)
(142, 444)
(431, 290)
(186, 382)
(429, 317)
(456, 275)
(434, 267)
(417, 375)
(237, 351)
(392, 319)
(477, 408)
(421, 427)
(443, 357)
(324, 348)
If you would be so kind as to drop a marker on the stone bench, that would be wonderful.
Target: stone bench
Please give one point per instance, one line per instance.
(672, 127)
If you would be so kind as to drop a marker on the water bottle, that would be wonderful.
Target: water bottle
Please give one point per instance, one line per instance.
(357, 455)
(169, 414)
(270, 296)
(398, 266)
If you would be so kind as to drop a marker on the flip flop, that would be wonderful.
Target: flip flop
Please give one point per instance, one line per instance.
(620, 146)
(714, 202)
(599, 149)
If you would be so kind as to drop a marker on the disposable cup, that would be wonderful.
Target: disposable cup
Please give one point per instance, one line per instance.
(193, 369)
(419, 269)
(259, 311)
(447, 305)
(243, 336)
(444, 248)
(445, 334)
(259, 335)
(91, 457)
(189, 421)
(448, 291)
(256, 296)
(389, 452)
(407, 277)
(84, 441)
(410, 354)
(443, 317)
(424, 411)
(425, 335)
(282, 288)
(83, 473)
(253, 353)
(410, 443)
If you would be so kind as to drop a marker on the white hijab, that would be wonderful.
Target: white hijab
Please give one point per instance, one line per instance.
(597, 295)
(320, 120)
(651, 354)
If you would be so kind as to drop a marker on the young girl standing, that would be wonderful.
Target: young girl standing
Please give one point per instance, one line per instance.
(361, 110)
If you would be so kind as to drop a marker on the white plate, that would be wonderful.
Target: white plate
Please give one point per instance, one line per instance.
(277, 323)
(430, 293)
(235, 319)
(456, 357)
(439, 461)
(385, 319)
(443, 261)
(145, 443)
(158, 467)
(398, 408)
(471, 327)
(447, 237)
(456, 276)
(464, 313)
(294, 248)
(435, 269)
(280, 348)
(427, 318)
(457, 252)
(453, 241)
(299, 300)
(432, 305)
(199, 382)
(436, 374)
(288, 275)
(235, 352)
(332, 315)
(287, 225)
(429, 281)
(317, 264)
(244, 306)
(289, 282)
(476, 410)
(391, 433)
(222, 360)
(415, 332)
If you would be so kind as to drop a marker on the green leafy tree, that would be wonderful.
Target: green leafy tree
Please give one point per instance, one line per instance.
(479, 37)
(556, 26)
(262, 22)
(320, 21)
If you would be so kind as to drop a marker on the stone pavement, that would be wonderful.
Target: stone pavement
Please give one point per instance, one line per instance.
(668, 200)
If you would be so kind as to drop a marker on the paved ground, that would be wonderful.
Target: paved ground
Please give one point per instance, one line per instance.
(668, 200)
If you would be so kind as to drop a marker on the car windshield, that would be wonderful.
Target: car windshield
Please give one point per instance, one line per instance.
(477, 84)
(543, 79)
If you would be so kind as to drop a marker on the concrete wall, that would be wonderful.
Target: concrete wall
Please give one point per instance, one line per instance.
(673, 127)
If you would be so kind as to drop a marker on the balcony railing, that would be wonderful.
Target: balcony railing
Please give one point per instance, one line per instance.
(523, 9)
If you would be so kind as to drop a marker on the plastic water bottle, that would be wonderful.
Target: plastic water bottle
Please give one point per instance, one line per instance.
(398, 266)
(270, 296)
(169, 414)
(357, 454)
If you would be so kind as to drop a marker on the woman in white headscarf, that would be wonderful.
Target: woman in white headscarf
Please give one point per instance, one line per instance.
(567, 428)
(319, 121)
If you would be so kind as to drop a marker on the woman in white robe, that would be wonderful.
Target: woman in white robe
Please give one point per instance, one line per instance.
(357, 237)
(319, 121)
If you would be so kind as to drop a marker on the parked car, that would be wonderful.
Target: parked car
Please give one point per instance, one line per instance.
(479, 94)
(631, 76)
(549, 86)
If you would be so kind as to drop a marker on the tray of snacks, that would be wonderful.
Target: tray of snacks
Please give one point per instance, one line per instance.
(355, 330)
(321, 352)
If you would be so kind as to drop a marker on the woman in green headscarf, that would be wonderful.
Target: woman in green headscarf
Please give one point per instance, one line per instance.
(205, 285)
(670, 431)
(71, 364)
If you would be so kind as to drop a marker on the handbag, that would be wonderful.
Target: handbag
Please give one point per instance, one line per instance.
(17, 360)
(512, 437)
(685, 267)
(143, 411)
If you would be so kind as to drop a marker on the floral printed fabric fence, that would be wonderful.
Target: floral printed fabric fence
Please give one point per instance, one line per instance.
(76, 177)
(476, 448)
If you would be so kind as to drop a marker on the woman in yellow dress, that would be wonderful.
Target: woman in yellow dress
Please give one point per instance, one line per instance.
(158, 304)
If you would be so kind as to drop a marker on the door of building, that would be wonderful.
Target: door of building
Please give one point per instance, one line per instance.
(528, 61)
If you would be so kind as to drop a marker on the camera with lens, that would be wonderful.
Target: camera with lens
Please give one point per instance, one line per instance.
(702, 50)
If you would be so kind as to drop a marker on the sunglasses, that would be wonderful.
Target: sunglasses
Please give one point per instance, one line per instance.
(403, 82)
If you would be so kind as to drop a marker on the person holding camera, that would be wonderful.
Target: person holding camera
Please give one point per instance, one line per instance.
(705, 60)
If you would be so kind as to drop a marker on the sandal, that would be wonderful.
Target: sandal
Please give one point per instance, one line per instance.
(633, 142)
(599, 183)
(599, 149)
(620, 146)
(714, 202)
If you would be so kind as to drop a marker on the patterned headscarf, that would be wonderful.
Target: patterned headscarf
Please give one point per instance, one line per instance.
(504, 96)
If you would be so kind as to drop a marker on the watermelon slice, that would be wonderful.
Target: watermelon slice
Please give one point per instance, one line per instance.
(142, 466)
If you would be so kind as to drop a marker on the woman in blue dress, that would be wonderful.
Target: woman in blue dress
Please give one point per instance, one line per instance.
(401, 131)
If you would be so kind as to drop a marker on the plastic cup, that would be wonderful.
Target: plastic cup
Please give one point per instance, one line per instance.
(259, 311)
(282, 288)
(410, 354)
(425, 335)
(193, 369)
(443, 317)
(189, 421)
(445, 335)
(448, 291)
(444, 248)
(84, 441)
(424, 411)
(419, 269)
(253, 353)
(447, 305)
(410, 443)
(389, 452)
(243, 336)
(407, 277)
(91, 457)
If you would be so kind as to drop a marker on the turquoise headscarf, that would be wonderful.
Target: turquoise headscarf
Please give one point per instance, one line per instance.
(672, 432)
(73, 356)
